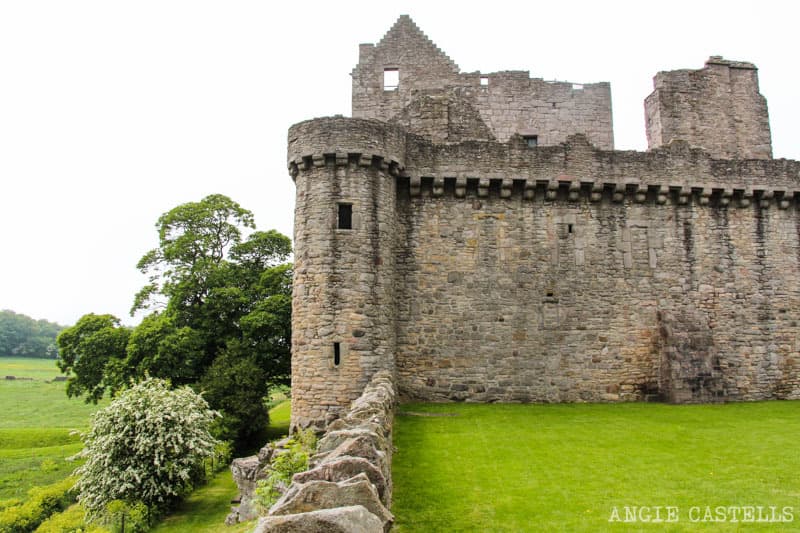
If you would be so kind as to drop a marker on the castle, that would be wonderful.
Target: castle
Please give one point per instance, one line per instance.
(477, 236)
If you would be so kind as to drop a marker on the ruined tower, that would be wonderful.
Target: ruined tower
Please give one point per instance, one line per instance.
(477, 236)
(717, 108)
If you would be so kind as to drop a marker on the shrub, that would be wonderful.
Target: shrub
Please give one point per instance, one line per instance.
(11, 502)
(72, 520)
(146, 446)
(122, 517)
(41, 503)
(283, 466)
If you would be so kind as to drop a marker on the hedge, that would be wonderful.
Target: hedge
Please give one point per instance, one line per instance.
(41, 503)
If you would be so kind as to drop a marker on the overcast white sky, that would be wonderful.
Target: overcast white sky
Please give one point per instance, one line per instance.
(112, 113)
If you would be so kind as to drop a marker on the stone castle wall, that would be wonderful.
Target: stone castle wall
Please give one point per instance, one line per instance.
(348, 487)
(657, 287)
(490, 271)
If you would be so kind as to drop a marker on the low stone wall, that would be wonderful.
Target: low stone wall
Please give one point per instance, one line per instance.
(247, 472)
(349, 485)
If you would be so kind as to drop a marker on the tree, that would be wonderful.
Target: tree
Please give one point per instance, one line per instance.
(193, 241)
(146, 446)
(220, 314)
(86, 351)
(22, 336)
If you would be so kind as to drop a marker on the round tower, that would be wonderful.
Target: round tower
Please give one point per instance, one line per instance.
(345, 226)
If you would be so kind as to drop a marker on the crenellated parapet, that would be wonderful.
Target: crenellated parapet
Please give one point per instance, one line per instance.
(343, 159)
(336, 139)
(573, 171)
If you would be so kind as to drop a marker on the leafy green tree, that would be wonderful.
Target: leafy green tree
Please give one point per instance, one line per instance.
(193, 241)
(85, 352)
(236, 385)
(162, 349)
(146, 446)
(22, 336)
(220, 313)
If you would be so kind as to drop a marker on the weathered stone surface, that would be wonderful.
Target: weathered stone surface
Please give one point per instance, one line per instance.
(436, 100)
(346, 424)
(333, 439)
(344, 468)
(360, 446)
(690, 367)
(246, 472)
(351, 519)
(314, 495)
(717, 108)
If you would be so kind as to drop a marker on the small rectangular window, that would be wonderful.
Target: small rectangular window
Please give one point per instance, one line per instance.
(577, 86)
(337, 354)
(484, 81)
(345, 216)
(391, 79)
(531, 140)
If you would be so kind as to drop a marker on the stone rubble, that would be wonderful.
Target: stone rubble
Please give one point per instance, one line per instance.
(351, 471)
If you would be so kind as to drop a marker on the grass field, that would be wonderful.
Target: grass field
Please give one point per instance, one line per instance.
(566, 467)
(35, 424)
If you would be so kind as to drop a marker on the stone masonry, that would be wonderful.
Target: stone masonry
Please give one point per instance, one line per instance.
(717, 108)
(477, 237)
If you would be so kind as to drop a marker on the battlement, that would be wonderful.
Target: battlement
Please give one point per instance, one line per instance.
(572, 171)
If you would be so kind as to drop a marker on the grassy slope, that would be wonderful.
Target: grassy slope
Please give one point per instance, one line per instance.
(564, 467)
(35, 424)
(204, 511)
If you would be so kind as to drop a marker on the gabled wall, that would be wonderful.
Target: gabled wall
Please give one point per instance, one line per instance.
(507, 102)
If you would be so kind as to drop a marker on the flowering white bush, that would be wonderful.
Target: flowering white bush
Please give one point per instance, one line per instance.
(145, 446)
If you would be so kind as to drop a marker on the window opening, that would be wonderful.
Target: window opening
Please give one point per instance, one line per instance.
(345, 216)
(484, 81)
(337, 354)
(531, 140)
(391, 79)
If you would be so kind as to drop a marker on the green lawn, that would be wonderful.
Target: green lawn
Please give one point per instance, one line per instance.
(565, 467)
(35, 425)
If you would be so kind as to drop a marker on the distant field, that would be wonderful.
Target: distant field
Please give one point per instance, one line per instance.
(42, 369)
(36, 419)
(515, 468)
